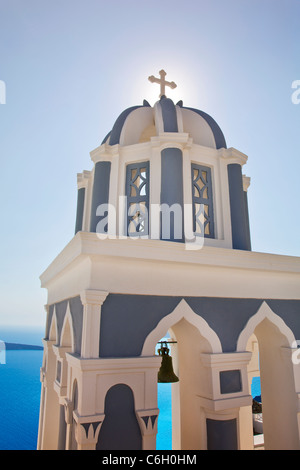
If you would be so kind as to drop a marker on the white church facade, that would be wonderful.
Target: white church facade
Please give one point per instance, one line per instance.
(162, 244)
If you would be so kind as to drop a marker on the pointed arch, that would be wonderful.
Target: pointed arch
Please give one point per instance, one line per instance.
(183, 310)
(53, 330)
(264, 312)
(67, 332)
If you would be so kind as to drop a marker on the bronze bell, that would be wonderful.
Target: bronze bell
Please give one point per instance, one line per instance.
(166, 373)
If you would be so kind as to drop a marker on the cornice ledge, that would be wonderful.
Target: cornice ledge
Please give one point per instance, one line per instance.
(88, 245)
(104, 153)
(233, 155)
(169, 139)
(69, 253)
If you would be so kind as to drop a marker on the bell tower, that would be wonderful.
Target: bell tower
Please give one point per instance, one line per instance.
(162, 244)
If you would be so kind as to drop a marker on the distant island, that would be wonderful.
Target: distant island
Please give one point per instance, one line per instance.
(18, 346)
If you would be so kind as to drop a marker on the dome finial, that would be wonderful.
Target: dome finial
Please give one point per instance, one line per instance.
(162, 82)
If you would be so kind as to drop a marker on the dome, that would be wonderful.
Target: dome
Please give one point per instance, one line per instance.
(138, 124)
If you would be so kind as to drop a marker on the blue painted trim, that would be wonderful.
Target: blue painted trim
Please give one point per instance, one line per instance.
(172, 190)
(118, 126)
(239, 219)
(218, 134)
(100, 191)
(80, 209)
(115, 134)
(76, 309)
(169, 115)
(124, 329)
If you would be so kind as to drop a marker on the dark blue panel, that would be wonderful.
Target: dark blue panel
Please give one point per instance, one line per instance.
(172, 193)
(100, 191)
(239, 219)
(221, 435)
(76, 309)
(60, 310)
(120, 429)
(227, 317)
(230, 381)
(169, 115)
(62, 429)
(80, 208)
(126, 321)
(218, 134)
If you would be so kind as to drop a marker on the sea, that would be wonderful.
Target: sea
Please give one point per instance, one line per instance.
(20, 390)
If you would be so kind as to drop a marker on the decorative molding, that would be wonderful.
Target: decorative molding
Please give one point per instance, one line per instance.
(226, 361)
(114, 365)
(264, 312)
(148, 420)
(225, 403)
(182, 310)
(83, 179)
(88, 428)
(233, 155)
(104, 153)
(170, 139)
(87, 245)
(246, 182)
(68, 408)
(93, 297)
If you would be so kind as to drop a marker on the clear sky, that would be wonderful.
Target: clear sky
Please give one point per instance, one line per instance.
(72, 66)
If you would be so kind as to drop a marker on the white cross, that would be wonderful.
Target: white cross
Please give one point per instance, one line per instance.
(163, 83)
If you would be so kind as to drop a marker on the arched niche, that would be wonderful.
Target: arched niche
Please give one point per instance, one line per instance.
(120, 429)
(53, 330)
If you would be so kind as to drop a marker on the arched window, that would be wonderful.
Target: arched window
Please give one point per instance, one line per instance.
(203, 214)
(137, 193)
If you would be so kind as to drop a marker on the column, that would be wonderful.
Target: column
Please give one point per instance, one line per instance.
(172, 195)
(87, 430)
(225, 426)
(92, 301)
(239, 217)
(51, 409)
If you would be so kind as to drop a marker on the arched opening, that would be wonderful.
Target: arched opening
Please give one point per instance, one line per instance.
(66, 345)
(193, 337)
(278, 393)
